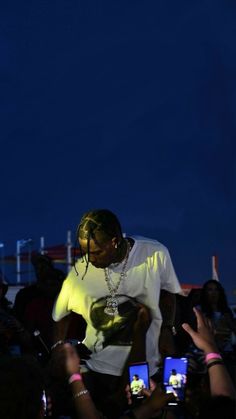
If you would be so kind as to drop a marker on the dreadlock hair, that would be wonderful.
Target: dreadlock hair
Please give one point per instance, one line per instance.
(100, 225)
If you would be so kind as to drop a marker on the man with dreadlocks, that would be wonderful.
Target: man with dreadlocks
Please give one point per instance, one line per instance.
(107, 286)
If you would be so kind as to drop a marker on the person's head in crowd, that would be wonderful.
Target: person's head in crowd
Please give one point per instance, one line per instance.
(213, 297)
(21, 389)
(42, 264)
(49, 279)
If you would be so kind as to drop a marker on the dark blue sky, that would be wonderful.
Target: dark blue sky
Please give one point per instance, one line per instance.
(129, 105)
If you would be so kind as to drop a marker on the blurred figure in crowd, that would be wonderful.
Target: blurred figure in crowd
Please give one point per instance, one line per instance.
(214, 305)
(33, 304)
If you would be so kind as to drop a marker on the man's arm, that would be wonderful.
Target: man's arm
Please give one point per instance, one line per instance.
(60, 313)
(61, 328)
(169, 287)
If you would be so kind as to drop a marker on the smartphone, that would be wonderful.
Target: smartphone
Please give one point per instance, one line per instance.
(175, 378)
(138, 380)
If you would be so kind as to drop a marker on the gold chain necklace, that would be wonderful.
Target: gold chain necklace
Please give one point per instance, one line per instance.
(111, 301)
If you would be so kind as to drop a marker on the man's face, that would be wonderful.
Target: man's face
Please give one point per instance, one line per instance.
(100, 256)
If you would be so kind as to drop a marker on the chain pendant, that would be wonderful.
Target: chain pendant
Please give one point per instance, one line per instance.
(112, 304)
(112, 307)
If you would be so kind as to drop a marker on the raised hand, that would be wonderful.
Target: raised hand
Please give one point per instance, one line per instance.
(203, 338)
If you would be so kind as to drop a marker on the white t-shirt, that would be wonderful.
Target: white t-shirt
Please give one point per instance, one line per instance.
(175, 380)
(136, 386)
(149, 269)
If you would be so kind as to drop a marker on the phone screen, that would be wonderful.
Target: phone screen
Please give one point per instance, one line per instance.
(175, 377)
(138, 379)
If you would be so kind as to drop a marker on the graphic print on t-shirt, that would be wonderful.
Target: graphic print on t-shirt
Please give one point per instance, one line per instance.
(115, 330)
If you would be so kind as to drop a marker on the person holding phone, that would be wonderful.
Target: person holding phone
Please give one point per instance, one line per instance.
(222, 402)
(203, 338)
(152, 406)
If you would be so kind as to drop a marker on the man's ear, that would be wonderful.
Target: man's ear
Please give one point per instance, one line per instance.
(114, 242)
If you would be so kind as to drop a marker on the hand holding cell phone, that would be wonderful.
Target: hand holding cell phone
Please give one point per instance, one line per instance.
(138, 379)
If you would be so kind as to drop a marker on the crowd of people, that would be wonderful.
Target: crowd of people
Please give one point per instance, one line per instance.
(67, 342)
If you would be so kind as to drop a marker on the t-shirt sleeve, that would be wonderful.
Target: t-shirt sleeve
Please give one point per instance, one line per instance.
(169, 280)
(60, 308)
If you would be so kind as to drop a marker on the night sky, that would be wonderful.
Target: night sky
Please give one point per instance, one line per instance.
(126, 105)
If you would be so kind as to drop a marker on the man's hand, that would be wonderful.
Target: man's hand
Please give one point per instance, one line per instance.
(167, 345)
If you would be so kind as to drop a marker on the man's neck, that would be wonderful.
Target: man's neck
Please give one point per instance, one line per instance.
(124, 247)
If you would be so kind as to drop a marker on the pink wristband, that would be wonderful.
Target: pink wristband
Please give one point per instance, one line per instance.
(75, 377)
(212, 355)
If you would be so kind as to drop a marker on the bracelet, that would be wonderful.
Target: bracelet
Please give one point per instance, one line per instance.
(80, 393)
(212, 355)
(217, 362)
(171, 328)
(59, 342)
(74, 377)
